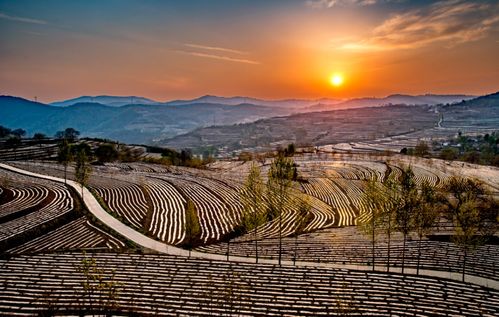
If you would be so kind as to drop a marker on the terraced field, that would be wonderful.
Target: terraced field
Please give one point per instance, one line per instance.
(349, 246)
(152, 199)
(44, 229)
(175, 286)
(39, 215)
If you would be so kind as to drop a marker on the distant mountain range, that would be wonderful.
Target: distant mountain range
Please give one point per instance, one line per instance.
(291, 104)
(113, 101)
(284, 103)
(135, 119)
(347, 125)
(132, 123)
(119, 101)
(392, 100)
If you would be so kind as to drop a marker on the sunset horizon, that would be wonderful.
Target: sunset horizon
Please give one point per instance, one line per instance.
(264, 49)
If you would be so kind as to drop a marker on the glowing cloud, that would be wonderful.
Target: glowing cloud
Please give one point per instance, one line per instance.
(451, 22)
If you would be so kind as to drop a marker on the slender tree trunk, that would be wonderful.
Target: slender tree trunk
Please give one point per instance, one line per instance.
(280, 236)
(373, 239)
(281, 187)
(296, 247)
(419, 253)
(464, 262)
(403, 253)
(256, 245)
(389, 234)
(255, 223)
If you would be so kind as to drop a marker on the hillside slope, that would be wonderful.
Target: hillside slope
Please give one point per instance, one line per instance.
(131, 123)
(348, 125)
(311, 128)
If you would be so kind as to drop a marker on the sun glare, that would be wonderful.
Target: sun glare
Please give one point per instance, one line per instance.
(336, 80)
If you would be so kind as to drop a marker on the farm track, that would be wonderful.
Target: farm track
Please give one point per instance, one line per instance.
(40, 216)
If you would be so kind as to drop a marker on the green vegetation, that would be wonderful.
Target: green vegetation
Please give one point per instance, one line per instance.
(378, 200)
(100, 291)
(281, 174)
(64, 156)
(13, 142)
(106, 152)
(69, 134)
(400, 204)
(302, 219)
(406, 201)
(172, 157)
(473, 212)
(252, 196)
(82, 169)
(426, 213)
(192, 226)
(422, 149)
(289, 151)
(479, 149)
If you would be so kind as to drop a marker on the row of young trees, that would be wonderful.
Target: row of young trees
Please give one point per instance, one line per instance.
(80, 154)
(266, 202)
(399, 204)
(68, 133)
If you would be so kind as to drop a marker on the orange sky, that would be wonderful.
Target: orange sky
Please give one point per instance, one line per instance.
(267, 49)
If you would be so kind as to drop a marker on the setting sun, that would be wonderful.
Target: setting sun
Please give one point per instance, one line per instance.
(336, 80)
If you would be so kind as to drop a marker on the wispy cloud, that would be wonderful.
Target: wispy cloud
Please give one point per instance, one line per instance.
(319, 4)
(216, 52)
(21, 19)
(219, 57)
(450, 22)
(215, 48)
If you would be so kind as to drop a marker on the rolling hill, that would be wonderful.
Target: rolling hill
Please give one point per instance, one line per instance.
(283, 103)
(345, 125)
(397, 99)
(130, 123)
(153, 123)
(113, 101)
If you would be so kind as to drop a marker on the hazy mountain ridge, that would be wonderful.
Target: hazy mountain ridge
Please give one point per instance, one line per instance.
(395, 99)
(312, 128)
(149, 123)
(130, 123)
(343, 125)
(113, 101)
(291, 104)
(288, 103)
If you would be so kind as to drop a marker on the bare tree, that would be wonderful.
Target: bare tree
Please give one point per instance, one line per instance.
(82, 169)
(375, 203)
(301, 220)
(64, 156)
(191, 227)
(473, 212)
(252, 196)
(98, 286)
(389, 198)
(426, 214)
(406, 203)
(281, 174)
